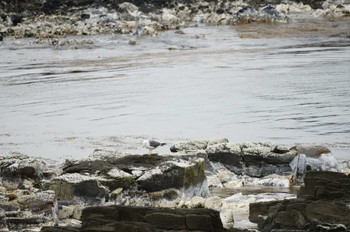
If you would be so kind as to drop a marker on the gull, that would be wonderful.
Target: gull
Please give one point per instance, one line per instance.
(151, 145)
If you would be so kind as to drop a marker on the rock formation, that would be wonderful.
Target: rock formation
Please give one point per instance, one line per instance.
(322, 205)
(37, 193)
(123, 218)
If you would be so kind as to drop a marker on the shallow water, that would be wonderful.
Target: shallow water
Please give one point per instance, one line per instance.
(211, 82)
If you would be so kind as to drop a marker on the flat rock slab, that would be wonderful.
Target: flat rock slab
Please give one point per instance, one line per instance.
(126, 218)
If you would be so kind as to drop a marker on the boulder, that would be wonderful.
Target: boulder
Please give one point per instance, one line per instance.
(37, 202)
(143, 172)
(322, 205)
(290, 219)
(315, 4)
(328, 212)
(24, 222)
(260, 209)
(258, 153)
(173, 174)
(189, 146)
(16, 166)
(325, 185)
(117, 178)
(168, 194)
(71, 187)
(262, 159)
(253, 159)
(123, 218)
(228, 154)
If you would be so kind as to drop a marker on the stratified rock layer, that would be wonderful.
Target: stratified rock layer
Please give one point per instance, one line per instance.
(322, 205)
(122, 218)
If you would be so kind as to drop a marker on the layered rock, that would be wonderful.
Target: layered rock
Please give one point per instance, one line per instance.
(325, 186)
(143, 172)
(252, 159)
(177, 180)
(77, 187)
(25, 200)
(122, 218)
(321, 204)
(15, 168)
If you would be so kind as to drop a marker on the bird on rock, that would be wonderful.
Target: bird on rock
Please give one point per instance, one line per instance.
(151, 145)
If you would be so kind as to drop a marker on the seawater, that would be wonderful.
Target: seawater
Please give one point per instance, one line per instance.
(210, 82)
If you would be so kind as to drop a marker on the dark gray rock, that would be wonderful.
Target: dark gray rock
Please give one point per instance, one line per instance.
(123, 218)
(17, 165)
(260, 209)
(72, 187)
(328, 212)
(315, 4)
(257, 153)
(143, 172)
(58, 229)
(253, 159)
(173, 174)
(316, 226)
(325, 185)
(322, 205)
(227, 154)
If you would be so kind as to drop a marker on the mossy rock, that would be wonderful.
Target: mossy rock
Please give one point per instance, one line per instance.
(194, 174)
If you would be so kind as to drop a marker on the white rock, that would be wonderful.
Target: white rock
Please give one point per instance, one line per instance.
(214, 181)
(227, 218)
(77, 212)
(197, 202)
(236, 198)
(168, 16)
(65, 212)
(147, 30)
(213, 202)
(225, 175)
(217, 141)
(116, 172)
(274, 181)
(73, 178)
(233, 184)
(136, 173)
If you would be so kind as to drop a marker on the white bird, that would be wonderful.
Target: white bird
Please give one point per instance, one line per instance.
(151, 145)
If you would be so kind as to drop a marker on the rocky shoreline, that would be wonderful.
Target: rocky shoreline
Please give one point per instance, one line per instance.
(42, 195)
(49, 20)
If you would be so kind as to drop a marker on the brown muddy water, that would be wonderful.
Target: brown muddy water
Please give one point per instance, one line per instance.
(286, 83)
